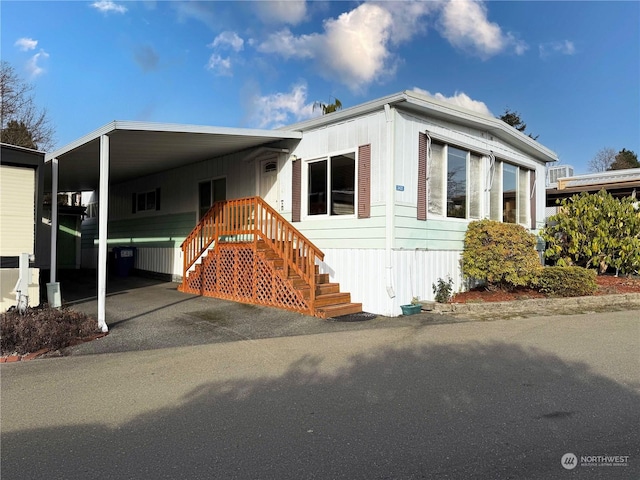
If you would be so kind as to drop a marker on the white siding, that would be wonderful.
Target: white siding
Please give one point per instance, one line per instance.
(335, 231)
(179, 187)
(362, 273)
(159, 260)
(350, 135)
(17, 216)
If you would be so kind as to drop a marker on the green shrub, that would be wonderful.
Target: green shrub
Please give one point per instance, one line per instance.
(567, 281)
(501, 254)
(43, 328)
(443, 290)
(595, 231)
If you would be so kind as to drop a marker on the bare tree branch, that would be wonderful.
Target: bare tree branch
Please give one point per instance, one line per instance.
(603, 159)
(18, 108)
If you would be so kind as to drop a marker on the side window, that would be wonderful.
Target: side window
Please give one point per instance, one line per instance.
(435, 165)
(510, 195)
(331, 186)
(456, 183)
(317, 202)
(509, 192)
(145, 201)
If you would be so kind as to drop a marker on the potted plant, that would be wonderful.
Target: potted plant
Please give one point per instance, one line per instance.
(412, 308)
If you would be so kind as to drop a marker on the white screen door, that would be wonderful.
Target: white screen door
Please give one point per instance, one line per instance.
(269, 182)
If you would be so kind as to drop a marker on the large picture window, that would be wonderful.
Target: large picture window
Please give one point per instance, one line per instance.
(509, 197)
(458, 181)
(509, 192)
(331, 186)
(454, 182)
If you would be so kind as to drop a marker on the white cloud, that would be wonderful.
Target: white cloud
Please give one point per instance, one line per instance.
(460, 99)
(409, 18)
(26, 44)
(565, 47)
(201, 11)
(33, 65)
(465, 25)
(284, 43)
(230, 39)
(106, 6)
(291, 12)
(278, 109)
(366, 30)
(219, 66)
(357, 48)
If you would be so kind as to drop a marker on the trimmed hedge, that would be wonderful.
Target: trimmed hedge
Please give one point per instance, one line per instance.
(567, 281)
(501, 254)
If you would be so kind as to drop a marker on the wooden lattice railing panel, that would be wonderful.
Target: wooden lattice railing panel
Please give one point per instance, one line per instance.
(248, 220)
(239, 273)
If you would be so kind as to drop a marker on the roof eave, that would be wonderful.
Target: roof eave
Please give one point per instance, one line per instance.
(439, 108)
(125, 125)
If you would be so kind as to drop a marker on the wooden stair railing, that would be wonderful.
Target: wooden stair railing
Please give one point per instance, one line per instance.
(253, 219)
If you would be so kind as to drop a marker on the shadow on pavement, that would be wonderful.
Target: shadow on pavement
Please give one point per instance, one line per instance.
(437, 411)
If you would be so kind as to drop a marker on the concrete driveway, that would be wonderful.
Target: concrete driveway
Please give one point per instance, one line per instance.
(145, 314)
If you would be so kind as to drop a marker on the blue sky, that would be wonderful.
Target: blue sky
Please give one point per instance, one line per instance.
(571, 69)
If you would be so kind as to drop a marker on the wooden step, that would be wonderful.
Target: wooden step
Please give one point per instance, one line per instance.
(321, 279)
(332, 299)
(322, 289)
(338, 310)
(325, 288)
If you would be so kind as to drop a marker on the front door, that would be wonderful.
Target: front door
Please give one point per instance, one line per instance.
(268, 188)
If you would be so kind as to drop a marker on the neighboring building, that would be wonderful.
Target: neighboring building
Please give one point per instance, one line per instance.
(619, 183)
(21, 230)
(555, 172)
(385, 190)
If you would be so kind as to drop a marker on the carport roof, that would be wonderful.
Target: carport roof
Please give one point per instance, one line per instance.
(142, 148)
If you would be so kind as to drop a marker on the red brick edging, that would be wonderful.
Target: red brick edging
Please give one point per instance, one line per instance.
(42, 351)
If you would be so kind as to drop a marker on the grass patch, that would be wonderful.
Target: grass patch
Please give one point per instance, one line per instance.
(42, 328)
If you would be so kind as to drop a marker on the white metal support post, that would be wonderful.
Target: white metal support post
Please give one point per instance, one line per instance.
(103, 215)
(54, 219)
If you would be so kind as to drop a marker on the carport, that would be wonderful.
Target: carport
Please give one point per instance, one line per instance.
(124, 150)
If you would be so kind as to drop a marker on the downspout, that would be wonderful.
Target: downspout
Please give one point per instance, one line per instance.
(390, 203)
(103, 217)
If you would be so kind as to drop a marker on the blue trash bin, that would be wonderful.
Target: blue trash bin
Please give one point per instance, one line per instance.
(125, 259)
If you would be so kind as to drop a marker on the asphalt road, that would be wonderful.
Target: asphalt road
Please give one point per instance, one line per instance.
(489, 400)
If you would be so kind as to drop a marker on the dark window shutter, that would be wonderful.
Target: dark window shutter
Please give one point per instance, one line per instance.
(296, 191)
(364, 181)
(134, 202)
(532, 199)
(422, 176)
(157, 198)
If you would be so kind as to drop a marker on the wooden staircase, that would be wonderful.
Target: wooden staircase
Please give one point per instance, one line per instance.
(245, 251)
(329, 301)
